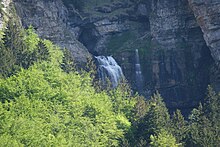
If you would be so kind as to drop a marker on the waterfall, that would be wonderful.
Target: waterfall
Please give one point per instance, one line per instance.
(109, 69)
(138, 73)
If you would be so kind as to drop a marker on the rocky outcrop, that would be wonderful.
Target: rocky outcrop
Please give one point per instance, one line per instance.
(114, 28)
(181, 59)
(49, 18)
(4, 5)
(207, 14)
(1, 21)
(175, 58)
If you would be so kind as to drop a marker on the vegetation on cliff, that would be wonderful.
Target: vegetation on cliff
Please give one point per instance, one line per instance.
(45, 101)
(43, 104)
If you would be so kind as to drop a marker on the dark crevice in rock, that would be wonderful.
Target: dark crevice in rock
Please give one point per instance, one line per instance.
(89, 38)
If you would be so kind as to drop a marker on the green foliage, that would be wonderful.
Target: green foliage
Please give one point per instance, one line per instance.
(44, 106)
(44, 101)
(41, 53)
(201, 131)
(14, 35)
(50, 107)
(21, 48)
(122, 100)
(141, 108)
(179, 126)
(68, 62)
(1, 6)
(7, 59)
(204, 122)
(13, 42)
(1, 35)
(55, 54)
(155, 119)
(163, 139)
(211, 105)
(31, 39)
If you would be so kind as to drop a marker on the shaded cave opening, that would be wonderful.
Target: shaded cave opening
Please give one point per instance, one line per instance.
(88, 37)
(188, 96)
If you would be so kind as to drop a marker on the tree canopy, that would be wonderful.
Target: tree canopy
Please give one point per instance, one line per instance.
(45, 101)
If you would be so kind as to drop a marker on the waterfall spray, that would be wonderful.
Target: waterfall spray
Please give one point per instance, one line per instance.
(109, 69)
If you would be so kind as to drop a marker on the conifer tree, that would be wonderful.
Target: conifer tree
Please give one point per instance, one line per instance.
(68, 61)
(7, 61)
(201, 131)
(211, 105)
(13, 40)
(41, 53)
(163, 139)
(204, 122)
(141, 108)
(179, 126)
(156, 118)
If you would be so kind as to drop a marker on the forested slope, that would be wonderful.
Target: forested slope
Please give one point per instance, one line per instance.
(45, 101)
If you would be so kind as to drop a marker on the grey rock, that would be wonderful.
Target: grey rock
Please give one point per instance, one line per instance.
(105, 27)
(142, 10)
(104, 9)
(181, 57)
(1, 21)
(3, 18)
(177, 40)
(49, 18)
(207, 14)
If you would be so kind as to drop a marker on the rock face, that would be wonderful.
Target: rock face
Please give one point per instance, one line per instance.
(49, 18)
(207, 14)
(3, 9)
(175, 58)
(181, 58)
(1, 21)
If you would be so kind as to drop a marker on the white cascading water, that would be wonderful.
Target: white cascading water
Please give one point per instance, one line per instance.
(109, 69)
(138, 73)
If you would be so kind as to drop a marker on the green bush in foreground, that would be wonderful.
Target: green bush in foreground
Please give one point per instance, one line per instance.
(42, 105)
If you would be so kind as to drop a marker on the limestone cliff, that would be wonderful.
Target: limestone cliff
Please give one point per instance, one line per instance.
(49, 18)
(177, 39)
(207, 14)
(181, 60)
(4, 5)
